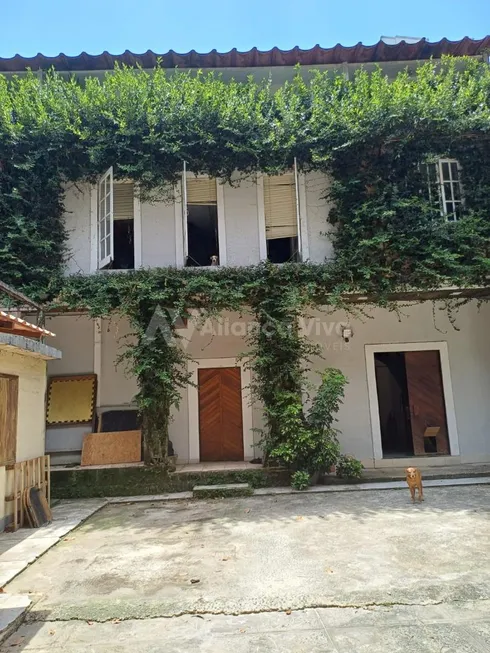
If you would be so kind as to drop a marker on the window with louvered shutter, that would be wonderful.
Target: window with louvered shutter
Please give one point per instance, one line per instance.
(201, 221)
(123, 201)
(280, 207)
(202, 191)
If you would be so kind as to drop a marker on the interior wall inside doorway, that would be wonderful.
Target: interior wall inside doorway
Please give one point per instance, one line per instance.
(392, 385)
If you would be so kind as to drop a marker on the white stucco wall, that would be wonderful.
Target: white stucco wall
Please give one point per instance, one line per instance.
(211, 340)
(317, 209)
(77, 221)
(75, 338)
(158, 226)
(468, 349)
(158, 234)
(469, 361)
(241, 219)
(117, 388)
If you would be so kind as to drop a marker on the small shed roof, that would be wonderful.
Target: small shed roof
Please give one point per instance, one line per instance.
(17, 326)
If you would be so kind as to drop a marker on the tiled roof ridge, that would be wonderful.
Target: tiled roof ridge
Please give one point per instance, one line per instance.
(253, 58)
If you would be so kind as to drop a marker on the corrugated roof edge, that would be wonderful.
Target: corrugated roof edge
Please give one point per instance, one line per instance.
(254, 58)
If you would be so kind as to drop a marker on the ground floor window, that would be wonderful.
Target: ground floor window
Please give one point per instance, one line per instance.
(411, 403)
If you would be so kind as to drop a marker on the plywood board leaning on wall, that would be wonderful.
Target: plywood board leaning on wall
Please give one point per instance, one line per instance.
(111, 448)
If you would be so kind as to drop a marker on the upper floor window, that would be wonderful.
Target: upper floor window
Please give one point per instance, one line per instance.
(203, 221)
(444, 178)
(115, 223)
(281, 217)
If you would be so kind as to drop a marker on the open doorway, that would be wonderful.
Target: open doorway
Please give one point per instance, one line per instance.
(394, 414)
(202, 229)
(411, 403)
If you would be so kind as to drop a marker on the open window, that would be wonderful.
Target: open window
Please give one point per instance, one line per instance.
(115, 223)
(281, 217)
(105, 219)
(200, 215)
(444, 184)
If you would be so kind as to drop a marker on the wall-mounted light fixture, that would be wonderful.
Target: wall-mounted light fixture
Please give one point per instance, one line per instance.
(347, 333)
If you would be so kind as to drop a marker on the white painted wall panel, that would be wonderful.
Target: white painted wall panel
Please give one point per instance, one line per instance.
(158, 228)
(158, 234)
(117, 387)
(77, 222)
(75, 339)
(469, 361)
(317, 209)
(242, 229)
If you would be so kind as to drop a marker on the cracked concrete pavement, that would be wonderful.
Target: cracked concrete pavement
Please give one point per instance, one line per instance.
(334, 572)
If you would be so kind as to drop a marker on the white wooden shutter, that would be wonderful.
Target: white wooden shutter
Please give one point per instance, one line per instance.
(280, 206)
(185, 230)
(202, 190)
(123, 201)
(105, 219)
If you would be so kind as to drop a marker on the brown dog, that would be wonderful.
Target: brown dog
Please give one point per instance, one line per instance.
(414, 482)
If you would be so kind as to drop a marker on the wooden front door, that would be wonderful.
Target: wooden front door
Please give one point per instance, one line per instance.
(9, 392)
(220, 414)
(426, 399)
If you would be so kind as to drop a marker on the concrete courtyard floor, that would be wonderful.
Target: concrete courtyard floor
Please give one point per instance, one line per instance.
(342, 572)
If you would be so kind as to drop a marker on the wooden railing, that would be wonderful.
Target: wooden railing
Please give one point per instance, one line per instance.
(27, 474)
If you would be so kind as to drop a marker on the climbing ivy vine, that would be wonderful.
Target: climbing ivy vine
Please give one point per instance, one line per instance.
(369, 135)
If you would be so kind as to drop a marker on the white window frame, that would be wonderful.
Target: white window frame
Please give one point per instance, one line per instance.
(452, 429)
(442, 189)
(95, 262)
(439, 180)
(300, 184)
(107, 180)
(181, 231)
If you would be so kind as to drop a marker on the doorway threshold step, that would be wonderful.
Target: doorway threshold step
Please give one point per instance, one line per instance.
(221, 491)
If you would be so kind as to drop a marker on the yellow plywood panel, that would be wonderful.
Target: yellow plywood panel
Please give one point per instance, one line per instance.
(71, 399)
(111, 448)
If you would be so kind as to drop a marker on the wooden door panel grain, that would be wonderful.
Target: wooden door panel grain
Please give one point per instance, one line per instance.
(426, 398)
(220, 414)
(9, 391)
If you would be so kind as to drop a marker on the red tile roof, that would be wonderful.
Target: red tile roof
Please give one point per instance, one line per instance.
(254, 58)
(14, 324)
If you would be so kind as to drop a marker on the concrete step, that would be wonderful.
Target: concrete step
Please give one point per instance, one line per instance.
(223, 490)
(13, 608)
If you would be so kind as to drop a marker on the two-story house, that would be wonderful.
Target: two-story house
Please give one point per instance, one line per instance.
(417, 387)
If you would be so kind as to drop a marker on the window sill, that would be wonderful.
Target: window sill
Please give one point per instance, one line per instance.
(112, 270)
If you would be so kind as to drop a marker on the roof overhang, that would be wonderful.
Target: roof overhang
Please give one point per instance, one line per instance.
(27, 347)
(317, 56)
